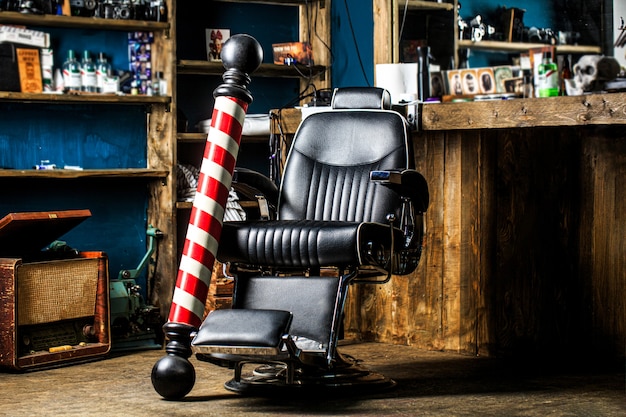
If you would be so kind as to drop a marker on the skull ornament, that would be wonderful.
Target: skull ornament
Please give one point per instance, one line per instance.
(590, 74)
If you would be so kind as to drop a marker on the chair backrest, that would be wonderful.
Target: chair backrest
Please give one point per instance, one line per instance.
(326, 176)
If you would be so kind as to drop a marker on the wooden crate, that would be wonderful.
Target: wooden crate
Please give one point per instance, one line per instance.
(220, 290)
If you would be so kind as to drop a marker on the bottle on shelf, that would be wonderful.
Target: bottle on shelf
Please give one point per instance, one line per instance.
(548, 77)
(103, 70)
(159, 84)
(71, 73)
(47, 73)
(566, 74)
(88, 73)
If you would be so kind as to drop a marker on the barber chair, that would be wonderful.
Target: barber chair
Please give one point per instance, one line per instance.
(349, 202)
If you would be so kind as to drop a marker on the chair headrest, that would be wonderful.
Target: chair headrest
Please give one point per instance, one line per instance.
(361, 98)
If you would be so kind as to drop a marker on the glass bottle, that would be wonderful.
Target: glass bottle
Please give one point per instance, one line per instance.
(566, 74)
(71, 73)
(548, 77)
(162, 84)
(88, 73)
(103, 70)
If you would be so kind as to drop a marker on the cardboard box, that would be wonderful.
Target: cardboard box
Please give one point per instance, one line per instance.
(293, 52)
(29, 68)
(22, 36)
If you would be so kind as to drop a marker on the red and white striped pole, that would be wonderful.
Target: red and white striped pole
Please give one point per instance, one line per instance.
(205, 223)
(173, 376)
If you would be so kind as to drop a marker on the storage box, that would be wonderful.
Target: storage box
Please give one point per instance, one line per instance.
(23, 36)
(54, 308)
(292, 52)
(30, 70)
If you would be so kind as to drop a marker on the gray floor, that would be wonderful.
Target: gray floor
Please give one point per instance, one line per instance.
(429, 384)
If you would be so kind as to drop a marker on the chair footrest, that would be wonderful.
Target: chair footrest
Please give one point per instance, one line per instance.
(242, 329)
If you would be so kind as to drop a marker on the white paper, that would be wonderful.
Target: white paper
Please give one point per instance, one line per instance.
(399, 79)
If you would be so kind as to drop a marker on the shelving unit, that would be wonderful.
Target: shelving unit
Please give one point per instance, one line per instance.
(155, 179)
(82, 98)
(186, 66)
(387, 37)
(77, 22)
(163, 145)
(191, 64)
(496, 46)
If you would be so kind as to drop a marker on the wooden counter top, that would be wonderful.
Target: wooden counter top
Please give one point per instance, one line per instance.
(593, 109)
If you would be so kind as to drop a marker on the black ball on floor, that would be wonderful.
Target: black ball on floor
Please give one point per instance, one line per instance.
(173, 377)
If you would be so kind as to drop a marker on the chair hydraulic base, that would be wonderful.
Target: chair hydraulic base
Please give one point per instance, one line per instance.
(348, 377)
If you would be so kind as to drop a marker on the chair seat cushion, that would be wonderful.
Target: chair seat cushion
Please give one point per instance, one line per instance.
(243, 328)
(299, 243)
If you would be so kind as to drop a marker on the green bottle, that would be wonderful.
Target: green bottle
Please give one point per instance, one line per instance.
(548, 77)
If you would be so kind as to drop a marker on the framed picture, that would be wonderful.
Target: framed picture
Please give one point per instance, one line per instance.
(486, 80)
(215, 38)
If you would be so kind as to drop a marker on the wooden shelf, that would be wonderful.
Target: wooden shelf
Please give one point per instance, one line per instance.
(426, 5)
(201, 138)
(279, 2)
(87, 173)
(191, 137)
(188, 205)
(186, 66)
(82, 98)
(514, 47)
(77, 22)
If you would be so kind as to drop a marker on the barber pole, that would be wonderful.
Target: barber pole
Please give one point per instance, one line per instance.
(173, 376)
(207, 213)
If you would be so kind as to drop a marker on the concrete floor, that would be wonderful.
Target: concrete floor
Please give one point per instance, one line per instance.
(429, 384)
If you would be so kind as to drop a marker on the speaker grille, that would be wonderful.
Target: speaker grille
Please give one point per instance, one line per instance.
(58, 290)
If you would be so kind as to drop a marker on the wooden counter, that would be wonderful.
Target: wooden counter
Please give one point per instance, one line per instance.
(525, 252)
(596, 109)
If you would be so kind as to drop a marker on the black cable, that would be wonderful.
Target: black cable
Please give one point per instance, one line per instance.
(404, 13)
(356, 45)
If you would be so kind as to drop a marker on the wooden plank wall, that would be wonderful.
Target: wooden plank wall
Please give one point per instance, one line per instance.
(524, 254)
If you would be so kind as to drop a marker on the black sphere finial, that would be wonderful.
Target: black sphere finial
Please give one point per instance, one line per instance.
(242, 52)
(241, 56)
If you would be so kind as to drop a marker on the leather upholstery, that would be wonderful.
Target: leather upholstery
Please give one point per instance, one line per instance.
(301, 243)
(258, 328)
(313, 298)
(361, 98)
(326, 179)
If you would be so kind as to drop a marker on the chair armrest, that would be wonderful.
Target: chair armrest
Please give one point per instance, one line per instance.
(407, 183)
(251, 183)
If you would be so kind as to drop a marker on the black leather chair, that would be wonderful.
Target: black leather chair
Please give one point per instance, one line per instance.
(349, 200)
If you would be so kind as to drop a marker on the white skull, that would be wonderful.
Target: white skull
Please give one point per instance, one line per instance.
(590, 73)
(586, 72)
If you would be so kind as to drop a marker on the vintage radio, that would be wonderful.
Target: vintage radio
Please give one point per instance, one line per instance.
(54, 305)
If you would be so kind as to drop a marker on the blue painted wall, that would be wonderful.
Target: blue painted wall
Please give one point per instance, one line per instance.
(352, 30)
(92, 136)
